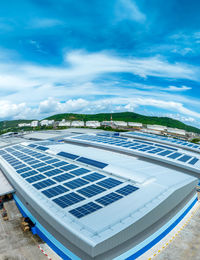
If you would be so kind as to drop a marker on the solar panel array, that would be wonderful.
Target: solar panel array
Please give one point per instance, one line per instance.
(166, 139)
(142, 146)
(65, 183)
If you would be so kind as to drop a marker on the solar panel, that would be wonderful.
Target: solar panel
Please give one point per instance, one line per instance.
(79, 171)
(85, 209)
(43, 184)
(46, 158)
(128, 189)
(32, 145)
(174, 155)
(108, 199)
(46, 168)
(193, 161)
(52, 192)
(24, 170)
(33, 162)
(39, 165)
(68, 155)
(19, 166)
(109, 183)
(76, 183)
(52, 161)
(53, 172)
(28, 174)
(60, 163)
(15, 162)
(91, 190)
(155, 150)
(35, 178)
(69, 167)
(68, 199)
(185, 158)
(93, 176)
(92, 162)
(164, 153)
(63, 177)
(167, 147)
(42, 148)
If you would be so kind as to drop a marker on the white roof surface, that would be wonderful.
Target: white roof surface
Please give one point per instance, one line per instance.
(5, 187)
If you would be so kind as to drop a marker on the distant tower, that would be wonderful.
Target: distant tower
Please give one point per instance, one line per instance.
(111, 121)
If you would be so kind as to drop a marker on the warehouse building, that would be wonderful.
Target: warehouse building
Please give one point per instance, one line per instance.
(97, 195)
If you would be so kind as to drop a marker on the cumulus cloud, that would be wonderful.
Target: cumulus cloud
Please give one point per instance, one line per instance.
(52, 106)
(11, 110)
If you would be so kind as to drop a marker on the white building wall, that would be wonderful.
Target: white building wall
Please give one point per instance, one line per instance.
(64, 123)
(77, 123)
(93, 124)
(133, 124)
(157, 127)
(46, 122)
(34, 123)
(120, 123)
(176, 131)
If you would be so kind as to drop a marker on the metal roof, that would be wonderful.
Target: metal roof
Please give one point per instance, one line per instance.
(5, 187)
(155, 184)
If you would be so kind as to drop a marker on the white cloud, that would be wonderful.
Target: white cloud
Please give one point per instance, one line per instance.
(82, 67)
(98, 63)
(52, 106)
(127, 9)
(9, 110)
(182, 88)
(31, 85)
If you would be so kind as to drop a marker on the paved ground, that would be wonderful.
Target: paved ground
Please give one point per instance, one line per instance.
(14, 243)
(186, 245)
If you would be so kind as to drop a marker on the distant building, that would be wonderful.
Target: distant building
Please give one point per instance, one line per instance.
(64, 123)
(47, 122)
(157, 127)
(107, 123)
(120, 123)
(77, 124)
(151, 131)
(24, 124)
(34, 123)
(135, 125)
(93, 124)
(176, 132)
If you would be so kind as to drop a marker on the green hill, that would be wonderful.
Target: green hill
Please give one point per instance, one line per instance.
(127, 117)
(12, 123)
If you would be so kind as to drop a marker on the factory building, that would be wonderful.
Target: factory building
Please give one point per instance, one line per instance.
(99, 195)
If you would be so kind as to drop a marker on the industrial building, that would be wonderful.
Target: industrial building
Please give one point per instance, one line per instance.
(92, 194)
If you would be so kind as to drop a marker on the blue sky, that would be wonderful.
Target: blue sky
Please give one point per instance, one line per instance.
(100, 56)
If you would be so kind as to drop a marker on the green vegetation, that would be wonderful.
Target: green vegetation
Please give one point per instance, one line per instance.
(127, 117)
(12, 126)
(12, 123)
(195, 140)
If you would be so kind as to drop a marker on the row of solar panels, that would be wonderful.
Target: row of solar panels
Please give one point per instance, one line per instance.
(54, 177)
(142, 146)
(71, 156)
(170, 140)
